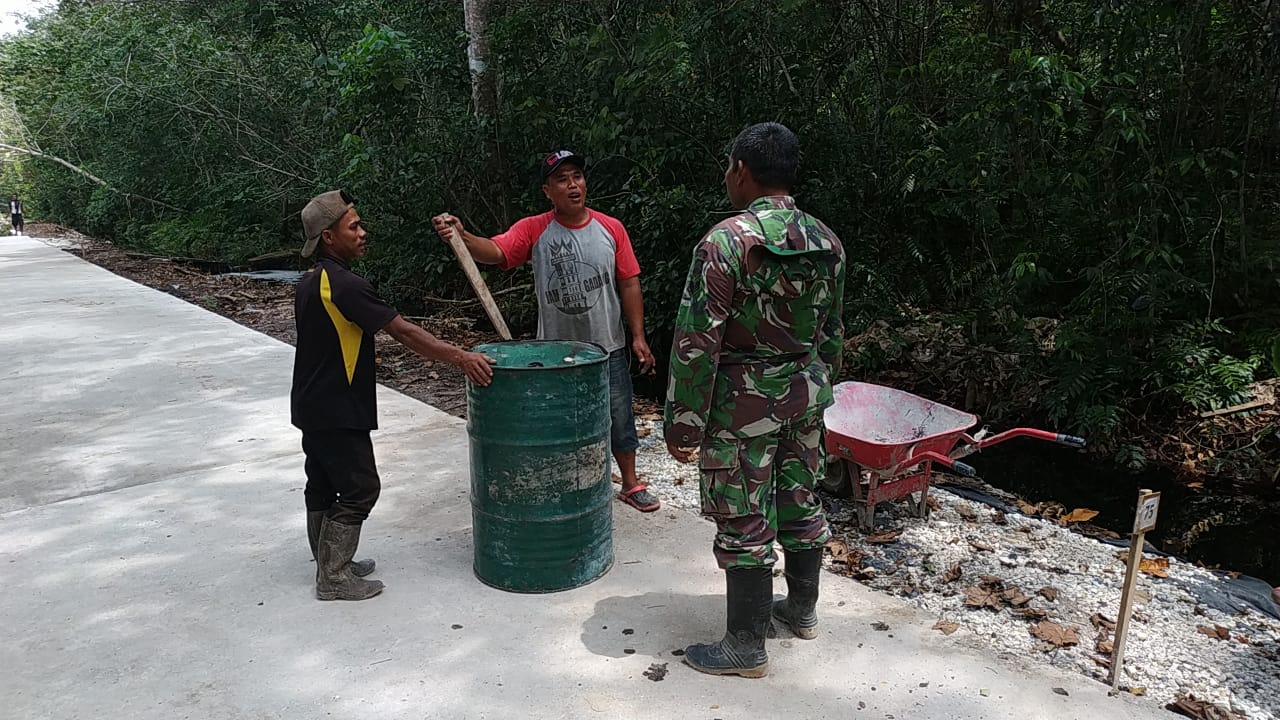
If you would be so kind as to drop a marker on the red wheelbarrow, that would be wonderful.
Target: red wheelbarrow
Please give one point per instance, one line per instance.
(882, 444)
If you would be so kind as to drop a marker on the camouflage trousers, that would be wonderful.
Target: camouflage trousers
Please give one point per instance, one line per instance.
(762, 488)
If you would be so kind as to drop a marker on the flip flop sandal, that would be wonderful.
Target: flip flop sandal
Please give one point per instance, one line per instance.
(640, 498)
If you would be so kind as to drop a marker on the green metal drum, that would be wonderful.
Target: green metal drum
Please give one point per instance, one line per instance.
(540, 490)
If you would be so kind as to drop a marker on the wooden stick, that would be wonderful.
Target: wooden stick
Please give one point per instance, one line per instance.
(1251, 405)
(1137, 540)
(1126, 607)
(477, 283)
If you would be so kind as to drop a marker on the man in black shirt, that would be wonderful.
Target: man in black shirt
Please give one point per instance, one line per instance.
(333, 398)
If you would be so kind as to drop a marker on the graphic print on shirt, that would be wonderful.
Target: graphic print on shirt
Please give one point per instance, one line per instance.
(574, 286)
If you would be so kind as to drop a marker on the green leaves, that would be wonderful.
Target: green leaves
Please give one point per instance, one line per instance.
(1111, 170)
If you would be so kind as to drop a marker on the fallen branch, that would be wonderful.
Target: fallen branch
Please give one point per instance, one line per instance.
(1251, 405)
(473, 301)
(75, 168)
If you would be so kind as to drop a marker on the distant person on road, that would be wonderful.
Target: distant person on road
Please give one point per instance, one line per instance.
(757, 346)
(15, 214)
(334, 403)
(587, 280)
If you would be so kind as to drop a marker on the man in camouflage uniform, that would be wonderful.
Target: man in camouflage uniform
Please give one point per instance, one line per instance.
(757, 346)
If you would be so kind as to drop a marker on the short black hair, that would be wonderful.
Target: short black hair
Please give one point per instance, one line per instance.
(770, 151)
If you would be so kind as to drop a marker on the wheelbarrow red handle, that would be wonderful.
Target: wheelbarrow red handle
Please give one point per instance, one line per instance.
(1069, 440)
(958, 466)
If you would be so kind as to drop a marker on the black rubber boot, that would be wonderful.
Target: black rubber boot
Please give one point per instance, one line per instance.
(359, 568)
(749, 595)
(334, 579)
(798, 610)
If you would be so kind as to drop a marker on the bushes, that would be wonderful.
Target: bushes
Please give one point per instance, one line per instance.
(1110, 169)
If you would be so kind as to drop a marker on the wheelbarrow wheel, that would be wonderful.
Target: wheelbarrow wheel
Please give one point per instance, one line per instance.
(836, 478)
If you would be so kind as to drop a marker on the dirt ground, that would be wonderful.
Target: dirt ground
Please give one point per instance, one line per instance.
(268, 308)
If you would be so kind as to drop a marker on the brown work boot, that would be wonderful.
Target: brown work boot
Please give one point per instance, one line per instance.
(334, 579)
(359, 568)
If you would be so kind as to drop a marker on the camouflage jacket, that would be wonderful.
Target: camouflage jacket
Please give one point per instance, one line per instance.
(756, 346)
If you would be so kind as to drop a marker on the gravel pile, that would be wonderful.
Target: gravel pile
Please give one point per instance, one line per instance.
(994, 579)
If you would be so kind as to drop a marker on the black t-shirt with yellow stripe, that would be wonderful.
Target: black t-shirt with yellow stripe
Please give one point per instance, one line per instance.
(337, 314)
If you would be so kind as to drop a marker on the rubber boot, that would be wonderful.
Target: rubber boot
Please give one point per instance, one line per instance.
(749, 595)
(359, 568)
(798, 610)
(334, 580)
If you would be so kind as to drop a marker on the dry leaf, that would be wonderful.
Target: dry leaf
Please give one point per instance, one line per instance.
(1104, 645)
(1139, 691)
(952, 574)
(981, 546)
(839, 549)
(1217, 632)
(1078, 515)
(1055, 634)
(967, 513)
(998, 517)
(1158, 567)
(991, 582)
(932, 503)
(1189, 706)
(946, 626)
(617, 480)
(1097, 532)
(885, 537)
(1015, 597)
(1031, 613)
(1102, 623)
(1052, 510)
(1049, 593)
(977, 597)
(1027, 508)
(841, 553)
(678, 481)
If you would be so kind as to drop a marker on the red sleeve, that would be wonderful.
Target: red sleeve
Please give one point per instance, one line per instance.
(624, 257)
(517, 242)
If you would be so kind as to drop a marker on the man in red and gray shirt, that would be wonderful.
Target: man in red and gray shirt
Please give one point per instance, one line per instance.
(587, 280)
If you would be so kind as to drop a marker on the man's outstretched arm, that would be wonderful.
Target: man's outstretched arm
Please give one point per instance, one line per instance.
(475, 365)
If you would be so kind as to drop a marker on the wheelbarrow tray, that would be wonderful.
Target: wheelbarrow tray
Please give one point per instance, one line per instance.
(879, 427)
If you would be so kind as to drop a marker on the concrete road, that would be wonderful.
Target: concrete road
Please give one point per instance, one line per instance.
(154, 559)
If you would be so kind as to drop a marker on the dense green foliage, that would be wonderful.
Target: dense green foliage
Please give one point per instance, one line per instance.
(1106, 170)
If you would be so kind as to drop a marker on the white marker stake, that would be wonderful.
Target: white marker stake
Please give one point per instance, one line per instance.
(1144, 520)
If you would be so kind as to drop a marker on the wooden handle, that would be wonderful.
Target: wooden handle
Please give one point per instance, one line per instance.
(477, 283)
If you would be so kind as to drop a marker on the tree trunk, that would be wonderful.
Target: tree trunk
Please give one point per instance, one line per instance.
(484, 100)
(484, 94)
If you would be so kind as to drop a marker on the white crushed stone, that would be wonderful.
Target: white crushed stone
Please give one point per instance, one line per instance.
(1165, 654)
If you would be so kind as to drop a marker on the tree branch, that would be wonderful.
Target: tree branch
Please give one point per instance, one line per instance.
(86, 173)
